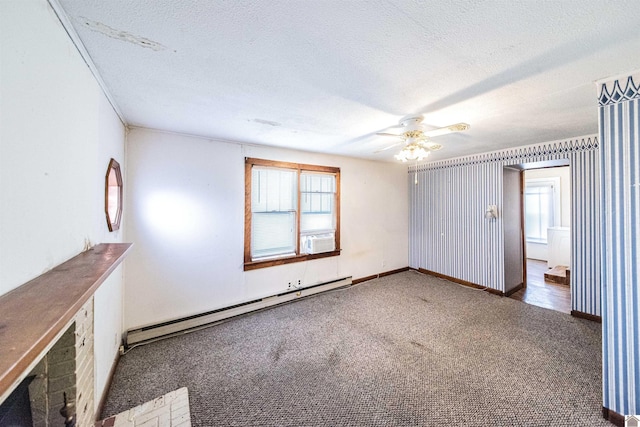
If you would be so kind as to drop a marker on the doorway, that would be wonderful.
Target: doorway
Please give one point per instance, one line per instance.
(541, 292)
(545, 195)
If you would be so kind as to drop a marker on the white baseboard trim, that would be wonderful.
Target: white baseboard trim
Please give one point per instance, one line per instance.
(191, 323)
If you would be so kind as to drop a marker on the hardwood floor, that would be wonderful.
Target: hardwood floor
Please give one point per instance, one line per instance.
(543, 294)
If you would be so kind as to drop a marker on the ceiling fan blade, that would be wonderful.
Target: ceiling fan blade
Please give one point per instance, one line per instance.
(388, 148)
(458, 127)
(389, 134)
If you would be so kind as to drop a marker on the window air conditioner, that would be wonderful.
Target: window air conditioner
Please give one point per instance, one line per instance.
(316, 245)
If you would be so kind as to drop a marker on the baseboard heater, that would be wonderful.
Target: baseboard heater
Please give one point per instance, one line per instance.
(199, 321)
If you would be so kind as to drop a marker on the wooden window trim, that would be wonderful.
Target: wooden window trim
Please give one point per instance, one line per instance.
(300, 167)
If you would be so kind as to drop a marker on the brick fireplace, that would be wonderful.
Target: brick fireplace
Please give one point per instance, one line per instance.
(47, 336)
(66, 369)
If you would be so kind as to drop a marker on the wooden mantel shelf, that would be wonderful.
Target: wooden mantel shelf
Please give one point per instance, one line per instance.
(32, 315)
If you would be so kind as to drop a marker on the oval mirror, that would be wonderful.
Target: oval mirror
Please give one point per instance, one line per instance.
(113, 195)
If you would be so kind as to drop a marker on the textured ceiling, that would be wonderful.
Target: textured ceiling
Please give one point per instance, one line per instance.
(325, 75)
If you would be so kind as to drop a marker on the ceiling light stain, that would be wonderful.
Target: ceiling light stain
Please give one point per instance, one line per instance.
(267, 122)
(121, 35)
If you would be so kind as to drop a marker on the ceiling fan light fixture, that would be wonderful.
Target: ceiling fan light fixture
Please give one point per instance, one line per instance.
(418, 140)
(413, 151)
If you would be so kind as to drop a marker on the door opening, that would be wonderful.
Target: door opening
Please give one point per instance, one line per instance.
(545, 194)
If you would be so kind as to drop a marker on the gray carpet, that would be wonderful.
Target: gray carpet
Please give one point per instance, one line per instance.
(404, 350)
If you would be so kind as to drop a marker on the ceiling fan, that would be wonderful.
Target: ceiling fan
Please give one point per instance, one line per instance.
(417, 139)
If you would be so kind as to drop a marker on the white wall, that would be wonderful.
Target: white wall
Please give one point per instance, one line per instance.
(185, 214)
(57, 134)
(539, 250)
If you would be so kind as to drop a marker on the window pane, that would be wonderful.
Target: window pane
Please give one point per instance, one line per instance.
(317, 182)
(538, 210)
(273, 234)
(273, 203)
(532, 225)
(318, 216)
(273, 189)
(317, 202)
(316, 222)
(545, 214)
(317, 192)
(326, 203)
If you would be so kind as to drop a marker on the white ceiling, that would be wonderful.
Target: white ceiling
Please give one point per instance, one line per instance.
(325, 75)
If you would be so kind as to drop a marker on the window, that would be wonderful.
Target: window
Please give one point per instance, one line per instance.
(292, 212)
(541, 204)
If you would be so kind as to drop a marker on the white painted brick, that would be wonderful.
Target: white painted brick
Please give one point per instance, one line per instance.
(168, 410)
(181, 419)
(84, 365)
(155, 413)
(150, 423)
(178, 412)
(123, 421)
